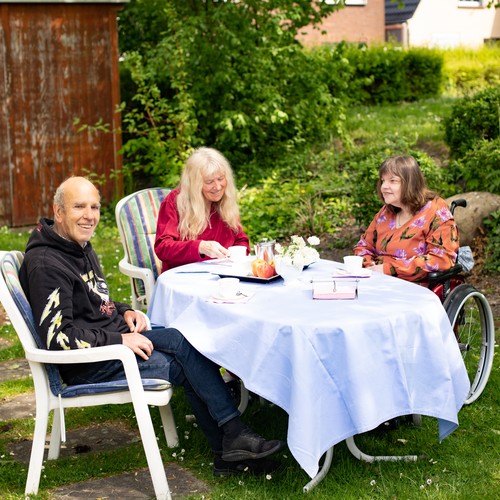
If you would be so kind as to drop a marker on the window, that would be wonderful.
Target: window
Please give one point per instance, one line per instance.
(347, 2)
(471, 3)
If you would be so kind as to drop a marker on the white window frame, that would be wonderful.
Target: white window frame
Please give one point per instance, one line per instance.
(347, 2)
(471, 3)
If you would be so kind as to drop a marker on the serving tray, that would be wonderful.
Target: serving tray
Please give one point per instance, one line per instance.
(249, 277)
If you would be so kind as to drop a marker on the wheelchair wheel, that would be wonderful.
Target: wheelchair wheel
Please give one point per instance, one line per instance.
(472, 321)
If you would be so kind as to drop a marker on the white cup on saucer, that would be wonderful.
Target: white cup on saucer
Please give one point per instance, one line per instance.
(228, 288)
(237, 253)
(353, 263)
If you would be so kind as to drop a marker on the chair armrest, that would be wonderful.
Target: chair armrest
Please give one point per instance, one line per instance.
(148, 321)
(87, 355)
(440, 276)
(142, 273)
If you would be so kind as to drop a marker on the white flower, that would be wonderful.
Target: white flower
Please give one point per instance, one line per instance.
(298, 252)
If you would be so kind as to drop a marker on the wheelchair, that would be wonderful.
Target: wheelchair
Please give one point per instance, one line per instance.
(471, 318)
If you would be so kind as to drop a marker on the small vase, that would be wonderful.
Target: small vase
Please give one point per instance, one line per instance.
(288, 271)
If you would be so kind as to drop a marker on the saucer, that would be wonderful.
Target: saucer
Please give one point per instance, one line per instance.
(344, 273)
(234, 298)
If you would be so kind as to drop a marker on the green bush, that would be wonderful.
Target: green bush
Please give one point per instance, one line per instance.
(473, 119)
(228, 75)
(391, 74)
(478, 169)
(307, 195)
(492, 249)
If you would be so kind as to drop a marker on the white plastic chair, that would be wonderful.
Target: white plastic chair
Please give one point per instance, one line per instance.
(52, 394)
(136, 217)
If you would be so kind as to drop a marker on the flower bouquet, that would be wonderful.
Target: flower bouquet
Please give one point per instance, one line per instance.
(291, 260)
(300, 251)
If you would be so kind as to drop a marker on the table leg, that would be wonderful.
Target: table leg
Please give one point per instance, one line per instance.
(322, 472)
(351, 445)
(353, 448)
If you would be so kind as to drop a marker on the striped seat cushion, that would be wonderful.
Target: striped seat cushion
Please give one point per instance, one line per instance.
(138, 218)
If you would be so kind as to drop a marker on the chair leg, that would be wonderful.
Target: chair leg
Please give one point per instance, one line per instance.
(37, 448)
(153, 456)
(168, 422)
(55, 436)
(244, 396)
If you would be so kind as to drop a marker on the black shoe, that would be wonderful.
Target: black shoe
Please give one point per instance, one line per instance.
(255, 467)
(248, 445)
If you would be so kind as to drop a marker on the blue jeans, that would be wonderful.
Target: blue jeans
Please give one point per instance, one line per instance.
(176, 360)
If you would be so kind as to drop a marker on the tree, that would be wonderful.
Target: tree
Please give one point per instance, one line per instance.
(225, 74)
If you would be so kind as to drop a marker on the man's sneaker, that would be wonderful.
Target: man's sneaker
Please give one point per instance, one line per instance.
(248, 445)
(256, 467)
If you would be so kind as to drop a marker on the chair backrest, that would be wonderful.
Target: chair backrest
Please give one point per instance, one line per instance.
(18, 309)
(136, 217)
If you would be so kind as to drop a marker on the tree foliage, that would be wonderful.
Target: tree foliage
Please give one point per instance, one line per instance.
(225, 74)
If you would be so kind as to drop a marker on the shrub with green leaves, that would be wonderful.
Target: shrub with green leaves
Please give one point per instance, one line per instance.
(229, 75)
(473, 119)
(478, 170)
(391, 74)
(492, 249)
(305, 195)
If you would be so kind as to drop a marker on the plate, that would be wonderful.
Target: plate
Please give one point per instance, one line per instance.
(249, 277)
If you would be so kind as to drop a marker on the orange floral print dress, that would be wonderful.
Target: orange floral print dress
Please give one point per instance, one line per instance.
(427, 242)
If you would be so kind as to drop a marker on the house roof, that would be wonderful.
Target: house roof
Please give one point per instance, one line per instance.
(396, 15)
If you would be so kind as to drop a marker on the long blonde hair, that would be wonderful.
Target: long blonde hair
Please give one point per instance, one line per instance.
(191, 203)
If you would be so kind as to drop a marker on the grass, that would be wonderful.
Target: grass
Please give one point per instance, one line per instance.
(421, 121)
(464, 465)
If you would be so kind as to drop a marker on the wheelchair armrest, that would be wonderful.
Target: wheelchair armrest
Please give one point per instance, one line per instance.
(440, 276)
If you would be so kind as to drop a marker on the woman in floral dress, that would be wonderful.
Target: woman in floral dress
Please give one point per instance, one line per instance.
(414, 233)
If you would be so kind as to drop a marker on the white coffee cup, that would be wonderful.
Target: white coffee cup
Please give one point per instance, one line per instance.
(228, 287)
(353, 263)
(237, 253)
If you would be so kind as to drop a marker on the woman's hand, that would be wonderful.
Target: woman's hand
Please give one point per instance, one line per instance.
(212, 249)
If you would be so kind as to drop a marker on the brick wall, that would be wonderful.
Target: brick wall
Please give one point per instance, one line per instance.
(352, 24)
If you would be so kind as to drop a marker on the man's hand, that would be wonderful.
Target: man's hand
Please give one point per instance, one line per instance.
(379, 268)
(140, 344)
(212, 249)
(136, 321)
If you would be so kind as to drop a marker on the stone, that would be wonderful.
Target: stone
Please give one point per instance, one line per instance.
(470, 219)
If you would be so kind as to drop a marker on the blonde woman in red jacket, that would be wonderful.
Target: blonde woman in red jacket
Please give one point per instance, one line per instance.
(200, 219)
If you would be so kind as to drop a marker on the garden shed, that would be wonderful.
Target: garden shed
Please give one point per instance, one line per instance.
(58, 70)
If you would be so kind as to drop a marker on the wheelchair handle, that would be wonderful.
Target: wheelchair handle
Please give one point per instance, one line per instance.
(457, 203)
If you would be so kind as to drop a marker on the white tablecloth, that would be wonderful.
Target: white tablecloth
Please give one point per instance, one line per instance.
(337, 367)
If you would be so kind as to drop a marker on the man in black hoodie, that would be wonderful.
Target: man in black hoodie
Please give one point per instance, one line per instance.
(64, 283)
